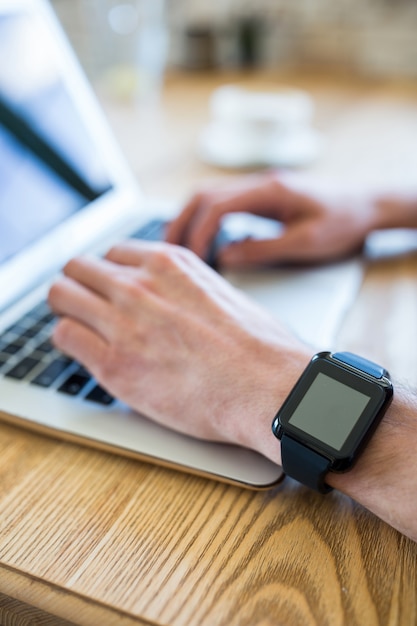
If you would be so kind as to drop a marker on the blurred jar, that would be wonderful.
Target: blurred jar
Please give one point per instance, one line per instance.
(128, 43)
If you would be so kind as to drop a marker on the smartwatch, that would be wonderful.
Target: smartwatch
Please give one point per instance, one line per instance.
(330, 415)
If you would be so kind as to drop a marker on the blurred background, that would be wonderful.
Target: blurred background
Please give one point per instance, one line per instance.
(353, 65)
(376, 37)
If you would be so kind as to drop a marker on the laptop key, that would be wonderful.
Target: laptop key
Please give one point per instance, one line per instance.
(99, 395)
(154, 230)
(45, 346)
(22, 369)
(82, 371)
(74, 384)
(13, 347)
(55, 368)
(48, 317)
(16, 329)
(32, 331)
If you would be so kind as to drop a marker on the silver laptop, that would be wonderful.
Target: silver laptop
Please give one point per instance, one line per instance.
(65, 188)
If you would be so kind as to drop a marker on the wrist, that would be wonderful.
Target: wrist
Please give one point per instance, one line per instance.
(384, 479)
(271, 384)
(330, 415)
(394, 211)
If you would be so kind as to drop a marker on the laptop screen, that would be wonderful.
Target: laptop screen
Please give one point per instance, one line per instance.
(49, 166)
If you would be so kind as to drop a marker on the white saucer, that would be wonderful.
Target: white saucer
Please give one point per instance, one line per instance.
(237, 146)
(250, 128)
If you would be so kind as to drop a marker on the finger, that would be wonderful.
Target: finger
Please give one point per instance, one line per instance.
(181, 228)
(176, 231)
(156, 258)
(134, 253)
(269, 200)
(81, 343)
(96, 274)
(253, 252)
(248, 253)
(70, 298)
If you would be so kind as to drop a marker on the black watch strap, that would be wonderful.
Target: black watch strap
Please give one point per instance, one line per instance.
(306, 465)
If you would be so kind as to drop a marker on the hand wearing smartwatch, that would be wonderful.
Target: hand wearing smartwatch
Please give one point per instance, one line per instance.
(330, 415)
(171, 339)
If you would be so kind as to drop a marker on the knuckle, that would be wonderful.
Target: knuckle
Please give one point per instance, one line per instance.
(128, 288)
(180, 253)
(167, 258)
(203, 196)
(161, 258)
(125, 284)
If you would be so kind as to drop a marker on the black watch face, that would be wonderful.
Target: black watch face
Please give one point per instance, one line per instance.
(332, 410)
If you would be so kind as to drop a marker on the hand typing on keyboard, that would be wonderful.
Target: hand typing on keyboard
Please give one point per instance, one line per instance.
(162, 331)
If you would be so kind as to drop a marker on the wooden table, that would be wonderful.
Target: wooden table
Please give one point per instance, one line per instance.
(91, 538)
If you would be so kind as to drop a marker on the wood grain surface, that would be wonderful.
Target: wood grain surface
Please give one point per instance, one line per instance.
(183, 550)
(91, 538)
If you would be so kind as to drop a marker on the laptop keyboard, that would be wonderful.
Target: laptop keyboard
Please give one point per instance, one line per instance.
(27, 353)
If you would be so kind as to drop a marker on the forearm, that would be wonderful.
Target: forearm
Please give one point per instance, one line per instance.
(395, 211)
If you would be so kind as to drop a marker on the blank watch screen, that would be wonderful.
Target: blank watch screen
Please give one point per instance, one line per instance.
(329, 411)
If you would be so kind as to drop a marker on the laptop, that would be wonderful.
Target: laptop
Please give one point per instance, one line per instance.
(65, 188)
